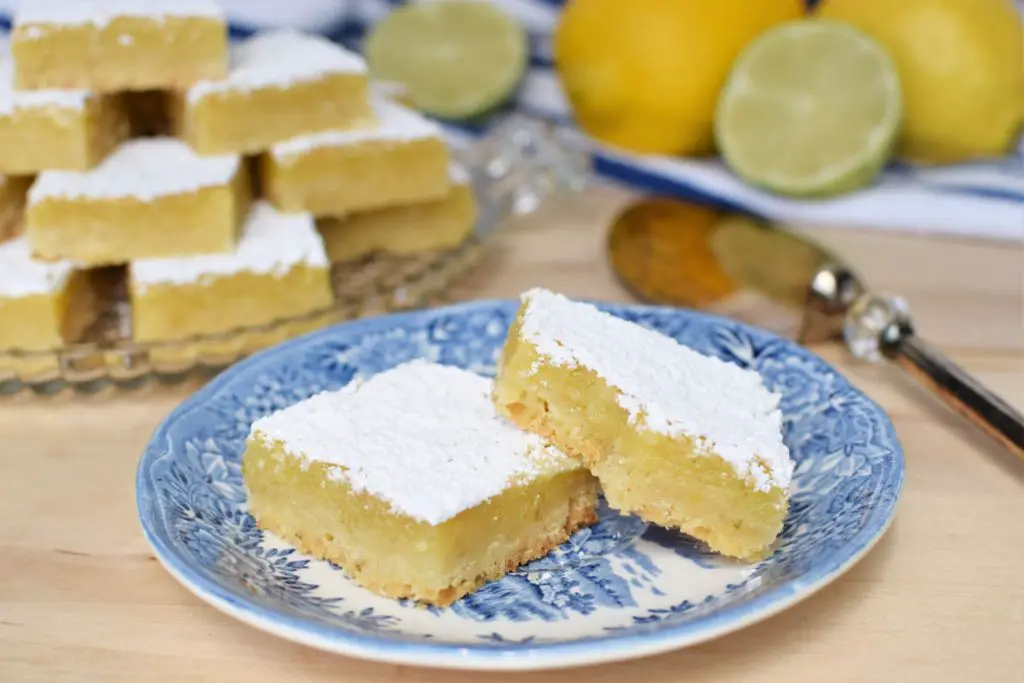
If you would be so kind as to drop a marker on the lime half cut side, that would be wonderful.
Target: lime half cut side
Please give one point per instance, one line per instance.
(811, 108)
(457, 59)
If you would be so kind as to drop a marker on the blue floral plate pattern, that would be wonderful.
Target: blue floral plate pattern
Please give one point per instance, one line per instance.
(618, 590)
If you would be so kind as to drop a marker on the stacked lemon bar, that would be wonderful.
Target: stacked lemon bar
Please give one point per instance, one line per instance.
(135, 136)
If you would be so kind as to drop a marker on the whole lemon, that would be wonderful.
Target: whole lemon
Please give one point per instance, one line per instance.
(645, 74)
(960, 66)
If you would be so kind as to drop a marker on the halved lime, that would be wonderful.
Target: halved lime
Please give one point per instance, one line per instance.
(456, 58)
(811, 108)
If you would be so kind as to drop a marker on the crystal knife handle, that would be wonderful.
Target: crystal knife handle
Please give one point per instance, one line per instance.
(879, 327)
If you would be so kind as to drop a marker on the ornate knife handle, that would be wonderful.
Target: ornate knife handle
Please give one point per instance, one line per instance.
(879, 327)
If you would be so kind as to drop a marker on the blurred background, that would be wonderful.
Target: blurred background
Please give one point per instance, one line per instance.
(643, 79)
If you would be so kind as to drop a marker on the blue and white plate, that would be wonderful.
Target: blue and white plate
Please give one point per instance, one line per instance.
(619, 590)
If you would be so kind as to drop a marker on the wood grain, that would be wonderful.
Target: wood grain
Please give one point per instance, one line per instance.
(940, 599)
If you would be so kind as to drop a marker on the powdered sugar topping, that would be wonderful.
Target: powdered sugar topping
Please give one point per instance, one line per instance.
(278, 59)
(12, 100)
(102, 12)
(389, 90)
(423, 437)
(272, 243)
(394, 123)
(143, 169)
(20, 275)
(665, 386)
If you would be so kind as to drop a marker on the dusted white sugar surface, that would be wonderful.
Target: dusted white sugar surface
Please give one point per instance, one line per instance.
(423, 437)
(142, 169)
(272, 243)
(395, 123)
(21, 276)
(665, 386)
(279, 59)
(12, 100)
(102, 12)
(389, 90)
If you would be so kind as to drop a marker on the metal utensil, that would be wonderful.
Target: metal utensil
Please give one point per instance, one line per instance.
(670, 252)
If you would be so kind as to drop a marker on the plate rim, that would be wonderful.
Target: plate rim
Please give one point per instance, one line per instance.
(491, 657)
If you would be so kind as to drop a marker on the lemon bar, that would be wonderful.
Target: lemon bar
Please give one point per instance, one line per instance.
(413, 484)
(55, 129)
(401, 160)
(681, 439)
(405, 229)
(281, 85)
(42, 305)
(278, 269)
(117, 45)
(12, 205)
(151, 198)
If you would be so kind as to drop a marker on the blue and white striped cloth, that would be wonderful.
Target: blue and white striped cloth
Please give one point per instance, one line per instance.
(983, 199)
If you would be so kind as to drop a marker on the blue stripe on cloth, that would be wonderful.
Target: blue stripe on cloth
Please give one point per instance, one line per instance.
(1012, 163)
(654, 183)
(979, 192)
(999, 179)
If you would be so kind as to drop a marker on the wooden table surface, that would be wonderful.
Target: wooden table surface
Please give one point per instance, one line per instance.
(941, 598)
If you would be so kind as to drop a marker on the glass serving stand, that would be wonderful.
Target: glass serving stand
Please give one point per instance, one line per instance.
(514, 168)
